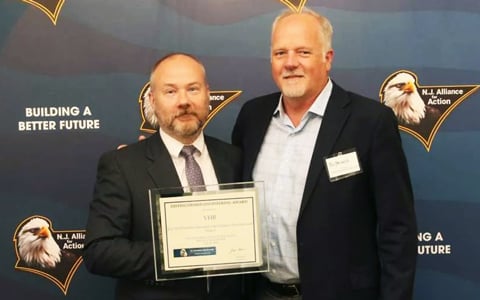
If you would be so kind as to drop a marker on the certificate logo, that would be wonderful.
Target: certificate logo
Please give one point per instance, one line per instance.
(218, 100)
(295, 5)
(421, 109)
(185, 252)
(53, 254)
(51, 8)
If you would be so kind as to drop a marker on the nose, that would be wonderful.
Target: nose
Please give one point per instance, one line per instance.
(292, 60)
(183, 98)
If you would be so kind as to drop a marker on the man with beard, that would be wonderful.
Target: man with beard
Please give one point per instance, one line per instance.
(119, 235)
(341, 215)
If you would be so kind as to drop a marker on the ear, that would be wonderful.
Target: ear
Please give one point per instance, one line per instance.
(150, 98)
(329, 59)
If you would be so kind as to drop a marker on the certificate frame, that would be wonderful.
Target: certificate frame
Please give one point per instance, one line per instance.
(215, 232)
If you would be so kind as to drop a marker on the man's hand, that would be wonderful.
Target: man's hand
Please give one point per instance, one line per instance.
(140, 137)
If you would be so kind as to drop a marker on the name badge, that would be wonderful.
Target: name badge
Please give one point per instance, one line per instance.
(342, 164)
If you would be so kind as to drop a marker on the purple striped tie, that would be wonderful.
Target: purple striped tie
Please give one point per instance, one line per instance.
(192, 169)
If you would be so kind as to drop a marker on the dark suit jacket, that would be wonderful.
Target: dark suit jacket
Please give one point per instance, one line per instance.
(119, 237)
(356, 237)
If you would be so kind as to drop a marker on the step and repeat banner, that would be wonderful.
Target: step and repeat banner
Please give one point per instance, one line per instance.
(73, 75)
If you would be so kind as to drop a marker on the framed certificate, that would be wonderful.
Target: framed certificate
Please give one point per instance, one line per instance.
(209, 233)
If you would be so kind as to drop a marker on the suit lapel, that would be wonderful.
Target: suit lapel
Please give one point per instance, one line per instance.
(162, 171)
(336, 114)
(220, 165)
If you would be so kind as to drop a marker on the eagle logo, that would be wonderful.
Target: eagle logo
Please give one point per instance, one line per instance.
(51, 8)
(421, 110)
(55, 255)
(295, 5)
(218, 100)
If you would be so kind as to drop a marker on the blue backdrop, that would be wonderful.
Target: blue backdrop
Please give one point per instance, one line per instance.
(84, 63)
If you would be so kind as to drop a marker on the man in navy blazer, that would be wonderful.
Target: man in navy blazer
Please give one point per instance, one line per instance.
(339, 199)
(119, 236)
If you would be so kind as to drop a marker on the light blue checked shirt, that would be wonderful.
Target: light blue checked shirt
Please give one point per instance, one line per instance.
(282, 164)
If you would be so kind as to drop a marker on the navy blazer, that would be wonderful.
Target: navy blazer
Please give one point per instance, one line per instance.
(119, 236)
(356, 237)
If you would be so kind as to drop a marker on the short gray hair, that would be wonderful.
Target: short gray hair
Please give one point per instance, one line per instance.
(325, 28)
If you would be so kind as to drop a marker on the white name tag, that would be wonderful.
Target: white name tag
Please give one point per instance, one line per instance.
(342, 164)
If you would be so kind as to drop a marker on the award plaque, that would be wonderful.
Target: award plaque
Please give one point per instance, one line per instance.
(213, 232)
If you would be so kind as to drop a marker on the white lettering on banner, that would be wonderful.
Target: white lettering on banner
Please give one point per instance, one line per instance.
(424, 236)
(36, 125)
(439, 101)
(428, 244)
(72, 241)
(434, 249)
(217, 97)
(86, 111)
(62, 111)
(79, 124)
(74, 245)
(445, 91)
(55, 118)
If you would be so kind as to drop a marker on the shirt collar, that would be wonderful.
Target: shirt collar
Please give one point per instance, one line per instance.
(319, 105)
(174, 147)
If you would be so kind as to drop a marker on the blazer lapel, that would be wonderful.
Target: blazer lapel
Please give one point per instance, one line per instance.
(162, 171)
(219, 160)
(336, 114)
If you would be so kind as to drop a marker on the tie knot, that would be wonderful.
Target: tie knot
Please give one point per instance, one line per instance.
(188, 150)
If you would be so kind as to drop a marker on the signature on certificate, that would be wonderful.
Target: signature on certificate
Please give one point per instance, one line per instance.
(237, 250)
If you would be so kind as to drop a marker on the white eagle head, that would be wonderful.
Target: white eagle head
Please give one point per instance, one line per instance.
(401, 95)
(36, 245)
(148, 109)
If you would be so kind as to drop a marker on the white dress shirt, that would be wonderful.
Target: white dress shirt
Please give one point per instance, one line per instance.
(201, 156)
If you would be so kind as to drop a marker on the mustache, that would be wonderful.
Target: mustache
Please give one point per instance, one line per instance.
(185, 112)
(288, 74)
